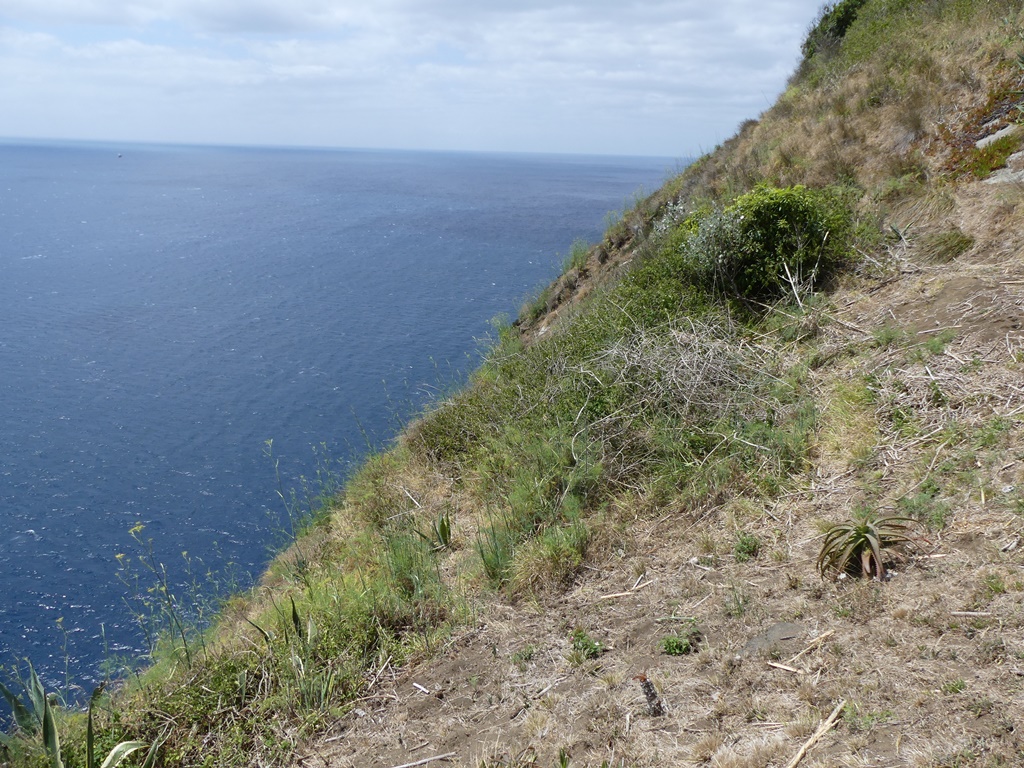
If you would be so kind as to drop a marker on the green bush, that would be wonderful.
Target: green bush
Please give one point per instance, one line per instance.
(788, 236)
(768, 243)
(586, 646)
(830, 27)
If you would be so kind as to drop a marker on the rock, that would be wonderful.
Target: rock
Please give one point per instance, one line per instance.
(1005, 176)
(1007, 131)
(776, 636)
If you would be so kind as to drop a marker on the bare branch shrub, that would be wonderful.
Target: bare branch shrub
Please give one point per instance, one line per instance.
(696, 372)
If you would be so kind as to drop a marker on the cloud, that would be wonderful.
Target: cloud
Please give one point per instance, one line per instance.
(648, 76)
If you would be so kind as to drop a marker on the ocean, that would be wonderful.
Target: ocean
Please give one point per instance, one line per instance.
(177, 321)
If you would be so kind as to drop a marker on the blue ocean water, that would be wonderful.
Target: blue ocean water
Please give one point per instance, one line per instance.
(167, 310)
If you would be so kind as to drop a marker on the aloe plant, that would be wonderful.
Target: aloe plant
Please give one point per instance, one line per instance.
(38, 718)
(862, 538)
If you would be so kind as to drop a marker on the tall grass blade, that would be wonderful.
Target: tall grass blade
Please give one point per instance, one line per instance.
(24, 719)
(51, 740)
(262, 631)
(150, 760)
(120, 752)
(36, 694)
(296, 621)
(90, 740)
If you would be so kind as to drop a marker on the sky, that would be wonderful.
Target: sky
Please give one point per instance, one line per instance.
(668, 78)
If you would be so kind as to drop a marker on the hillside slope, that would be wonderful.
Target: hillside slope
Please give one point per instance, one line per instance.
(914, 365)
(607, 549)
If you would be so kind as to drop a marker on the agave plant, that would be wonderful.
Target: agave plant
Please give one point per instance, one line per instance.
(39, 717)
(862, 538)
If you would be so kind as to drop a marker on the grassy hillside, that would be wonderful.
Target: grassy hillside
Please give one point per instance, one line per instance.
(623, 542)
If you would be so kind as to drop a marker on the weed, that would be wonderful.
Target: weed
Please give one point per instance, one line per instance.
(747, 547)
(952, 687)
(577, 258)
(157, 607)
(994, 584)
(736, 601)
(682, 642)
(523, 656)
(925, 506)
(584, 647)
(864, 720)
(991, 433)
(935, 345)
(889, 336)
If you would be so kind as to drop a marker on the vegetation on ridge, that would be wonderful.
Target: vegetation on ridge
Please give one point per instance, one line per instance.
(816, 318)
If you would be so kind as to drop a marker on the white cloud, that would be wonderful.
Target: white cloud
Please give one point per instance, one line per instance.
(649, 76)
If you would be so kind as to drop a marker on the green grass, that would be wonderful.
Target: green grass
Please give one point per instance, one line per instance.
(982, 161)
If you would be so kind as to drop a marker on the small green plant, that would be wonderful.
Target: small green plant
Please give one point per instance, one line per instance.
(862, 539)
(935, 345)
(577, 258)
(888, 336)
(584, 647)
(440, 537)
(736, 602)
(858, 719)
(523, 656)
(924, 506)
(747, 547)
(994, 584)
(982, 161)
(951, 687)
(684, 641)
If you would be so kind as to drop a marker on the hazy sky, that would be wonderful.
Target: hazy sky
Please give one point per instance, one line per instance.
(635, 77)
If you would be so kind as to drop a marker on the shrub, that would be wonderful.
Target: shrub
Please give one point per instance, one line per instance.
(767, 243)
(788, 236)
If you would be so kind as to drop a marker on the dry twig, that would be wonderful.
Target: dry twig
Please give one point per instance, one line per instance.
(824, 728)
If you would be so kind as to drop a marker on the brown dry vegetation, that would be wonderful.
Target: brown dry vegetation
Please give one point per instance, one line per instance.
(912, 366)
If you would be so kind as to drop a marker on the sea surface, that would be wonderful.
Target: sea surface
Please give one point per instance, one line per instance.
(167, 311)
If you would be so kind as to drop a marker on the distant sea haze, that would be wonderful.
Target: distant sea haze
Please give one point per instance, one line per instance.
(166, 311)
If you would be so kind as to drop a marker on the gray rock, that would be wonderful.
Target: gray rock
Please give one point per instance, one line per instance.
(1007, 131)
(1005, 176)
(776, 636)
